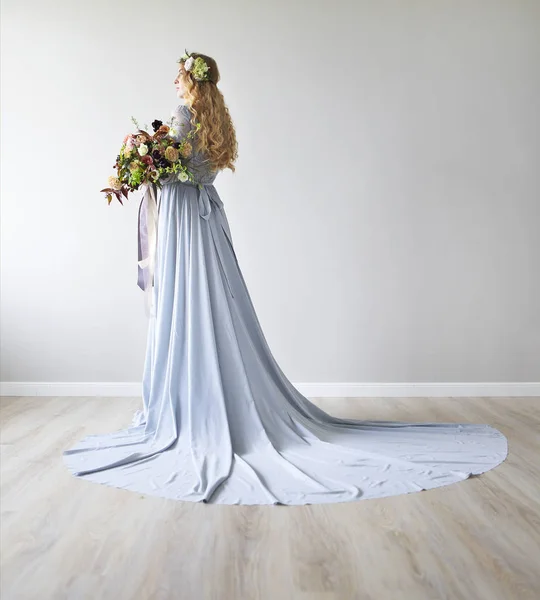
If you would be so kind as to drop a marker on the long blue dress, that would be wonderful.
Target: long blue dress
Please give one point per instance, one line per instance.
(221, 423)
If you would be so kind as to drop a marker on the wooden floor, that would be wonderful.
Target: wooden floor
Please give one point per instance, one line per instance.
(63, 537)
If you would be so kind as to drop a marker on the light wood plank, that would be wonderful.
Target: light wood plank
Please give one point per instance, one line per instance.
(67, 538)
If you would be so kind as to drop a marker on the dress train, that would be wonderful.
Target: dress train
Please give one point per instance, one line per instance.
(222, 424)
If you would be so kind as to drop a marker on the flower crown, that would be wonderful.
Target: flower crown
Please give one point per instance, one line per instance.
(196, 66)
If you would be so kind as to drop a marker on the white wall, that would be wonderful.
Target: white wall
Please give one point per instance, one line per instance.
(384, 211)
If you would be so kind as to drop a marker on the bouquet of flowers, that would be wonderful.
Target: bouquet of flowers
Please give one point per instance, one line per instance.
(147, 159)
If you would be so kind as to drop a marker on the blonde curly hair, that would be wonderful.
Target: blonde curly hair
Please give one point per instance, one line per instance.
(217, 135)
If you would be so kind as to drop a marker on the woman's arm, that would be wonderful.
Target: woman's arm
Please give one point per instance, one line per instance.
(181, 123)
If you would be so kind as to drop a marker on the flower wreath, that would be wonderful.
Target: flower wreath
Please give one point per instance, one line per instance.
(196, 66)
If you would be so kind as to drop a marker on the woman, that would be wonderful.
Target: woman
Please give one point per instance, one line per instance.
(220, 422)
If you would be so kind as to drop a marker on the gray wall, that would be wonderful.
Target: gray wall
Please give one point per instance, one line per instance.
(385, 207)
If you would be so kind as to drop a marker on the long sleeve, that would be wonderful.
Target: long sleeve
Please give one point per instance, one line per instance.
(197, 161)
(181, 124)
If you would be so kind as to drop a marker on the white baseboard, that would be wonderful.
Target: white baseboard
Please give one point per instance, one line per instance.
(311, 390)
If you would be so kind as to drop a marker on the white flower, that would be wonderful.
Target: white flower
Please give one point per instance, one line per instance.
(115, 183)
(143, 149)
(182, 176)
(189, 63)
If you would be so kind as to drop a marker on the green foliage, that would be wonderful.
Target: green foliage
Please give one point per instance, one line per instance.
(133, 170)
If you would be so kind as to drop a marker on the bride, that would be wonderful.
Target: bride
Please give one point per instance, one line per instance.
(220, 421)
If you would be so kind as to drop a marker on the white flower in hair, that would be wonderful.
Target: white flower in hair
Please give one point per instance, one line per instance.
(196, 66)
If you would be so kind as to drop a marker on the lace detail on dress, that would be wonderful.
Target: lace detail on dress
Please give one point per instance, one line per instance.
(198, 163)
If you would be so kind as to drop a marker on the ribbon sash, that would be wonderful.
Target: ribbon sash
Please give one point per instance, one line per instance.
(147, 243)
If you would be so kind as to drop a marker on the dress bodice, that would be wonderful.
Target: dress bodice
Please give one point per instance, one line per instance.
(198, 162)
